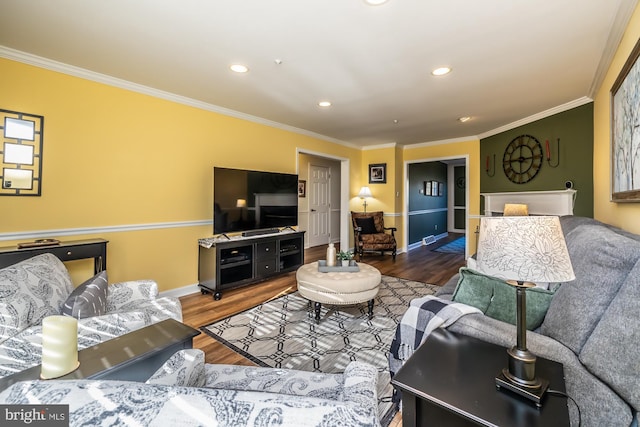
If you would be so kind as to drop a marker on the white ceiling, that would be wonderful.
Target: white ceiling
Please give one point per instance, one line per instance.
(511, 59)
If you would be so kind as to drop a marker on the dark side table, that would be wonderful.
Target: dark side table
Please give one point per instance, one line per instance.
(450, 381)
(130, 357)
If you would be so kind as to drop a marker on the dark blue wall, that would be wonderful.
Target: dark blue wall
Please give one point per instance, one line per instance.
(427, 214)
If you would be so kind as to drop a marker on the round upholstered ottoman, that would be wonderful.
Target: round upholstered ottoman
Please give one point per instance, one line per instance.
(338, 287)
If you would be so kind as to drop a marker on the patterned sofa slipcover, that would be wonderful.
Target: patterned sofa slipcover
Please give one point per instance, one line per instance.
(38, 287)
(188, 392)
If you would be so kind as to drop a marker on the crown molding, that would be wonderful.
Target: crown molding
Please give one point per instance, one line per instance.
(378, 147)
(542, 115)
(49, 64)
(442, 141)
(620, 23)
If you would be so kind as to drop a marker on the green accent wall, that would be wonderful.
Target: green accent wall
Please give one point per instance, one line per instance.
(427, 214)
(574, 128)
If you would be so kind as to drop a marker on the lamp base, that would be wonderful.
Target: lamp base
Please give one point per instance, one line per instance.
(531, 392)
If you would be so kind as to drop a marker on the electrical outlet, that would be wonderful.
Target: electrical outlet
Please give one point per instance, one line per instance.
(436, 226)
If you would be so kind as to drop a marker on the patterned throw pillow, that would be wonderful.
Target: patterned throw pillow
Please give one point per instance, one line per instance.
(366, 224)
(89, 299)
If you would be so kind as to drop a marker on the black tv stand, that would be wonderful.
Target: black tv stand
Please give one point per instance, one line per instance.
(241, 261)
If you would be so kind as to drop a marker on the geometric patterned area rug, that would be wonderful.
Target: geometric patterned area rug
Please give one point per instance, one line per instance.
(454, 247)
(283, 333)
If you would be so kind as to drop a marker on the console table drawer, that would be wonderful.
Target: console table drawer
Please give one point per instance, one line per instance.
(266, 250)
(266, 267)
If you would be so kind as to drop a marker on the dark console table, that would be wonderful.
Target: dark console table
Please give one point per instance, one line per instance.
(449, 381)
(131, 357)
(66, 251)
(244, 260)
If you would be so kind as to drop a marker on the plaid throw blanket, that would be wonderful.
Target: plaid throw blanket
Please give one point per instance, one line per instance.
(423, 316)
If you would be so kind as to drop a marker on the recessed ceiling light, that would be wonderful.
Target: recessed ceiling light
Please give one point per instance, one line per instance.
(441, 71)
(464, 119)
(239, 68)
(324, 104)
(375, 2)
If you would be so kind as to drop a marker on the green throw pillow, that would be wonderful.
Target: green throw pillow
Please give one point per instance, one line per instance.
(497, 299)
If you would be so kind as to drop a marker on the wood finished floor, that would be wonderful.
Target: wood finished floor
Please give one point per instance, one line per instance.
(421, 264)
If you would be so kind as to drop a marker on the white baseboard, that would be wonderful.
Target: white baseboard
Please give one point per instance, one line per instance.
(180, 292)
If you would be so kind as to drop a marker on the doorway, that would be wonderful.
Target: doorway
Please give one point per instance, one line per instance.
(324, 208)
(319, 205)
(431, 215)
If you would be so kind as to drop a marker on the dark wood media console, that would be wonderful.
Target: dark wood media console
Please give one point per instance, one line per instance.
(241, 261)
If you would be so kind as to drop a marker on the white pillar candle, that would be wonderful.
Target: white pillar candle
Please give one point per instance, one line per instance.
(59, 346)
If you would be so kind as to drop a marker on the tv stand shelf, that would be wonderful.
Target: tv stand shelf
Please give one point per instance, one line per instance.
(241, 261)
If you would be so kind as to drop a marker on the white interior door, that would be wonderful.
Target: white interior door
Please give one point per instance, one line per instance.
(319, 205)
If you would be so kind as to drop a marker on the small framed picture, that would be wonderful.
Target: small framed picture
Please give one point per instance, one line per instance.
(427, 188)
(441, 189)
(302, 188)
(378, 173)
(434, 188)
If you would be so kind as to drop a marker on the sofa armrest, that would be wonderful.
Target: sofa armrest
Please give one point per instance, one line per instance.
(361, 385)
(124, 293)
(272, 380)
(184, 368)
(447, 290)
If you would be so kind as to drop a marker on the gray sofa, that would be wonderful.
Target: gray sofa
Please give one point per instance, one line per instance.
(188, 392)
(40, 286)
(592, 325)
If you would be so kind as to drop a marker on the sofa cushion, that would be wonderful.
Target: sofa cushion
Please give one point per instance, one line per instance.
(497, 299)
(611, 352)
(602, 259)
(31, 290)
(89, 299)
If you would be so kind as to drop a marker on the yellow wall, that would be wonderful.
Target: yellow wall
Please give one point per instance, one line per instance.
(116, 158)
(452, 150)
(624, 215)
(383, 194)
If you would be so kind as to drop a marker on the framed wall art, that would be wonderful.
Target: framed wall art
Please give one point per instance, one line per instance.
(21, 141)
(434, 188)
(427, 188)
(625, 131)
(378, 173)
(302, 188)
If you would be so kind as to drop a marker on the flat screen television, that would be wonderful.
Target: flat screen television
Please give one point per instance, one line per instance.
(245, 200)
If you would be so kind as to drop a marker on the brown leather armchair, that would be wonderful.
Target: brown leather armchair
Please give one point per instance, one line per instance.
(370, 234)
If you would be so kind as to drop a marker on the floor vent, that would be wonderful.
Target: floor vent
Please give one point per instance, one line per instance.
(428, 240)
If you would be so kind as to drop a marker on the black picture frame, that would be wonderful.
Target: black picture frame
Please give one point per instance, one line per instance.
(302, 188)
(378, 173)
(434, 188)
(427, 188)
